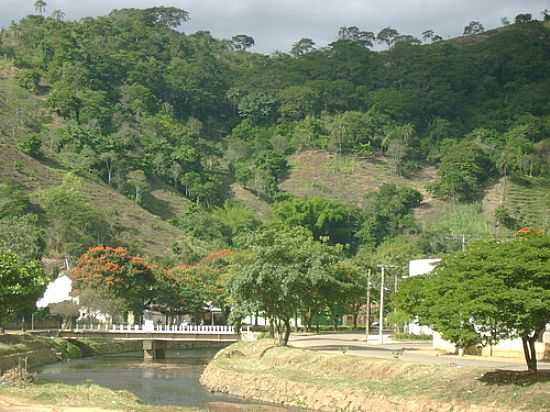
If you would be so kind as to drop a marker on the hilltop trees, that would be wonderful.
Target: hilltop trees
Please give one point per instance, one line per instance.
(387, 35)
(302, 47)
(242, 42)
(474, 27)
(355, 35)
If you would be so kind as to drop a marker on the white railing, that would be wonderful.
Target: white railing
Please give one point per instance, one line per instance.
(173, 329)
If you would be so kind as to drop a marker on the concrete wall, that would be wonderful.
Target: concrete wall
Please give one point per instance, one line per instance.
(512, 348)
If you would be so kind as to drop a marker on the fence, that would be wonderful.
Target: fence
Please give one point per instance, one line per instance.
(187, 329)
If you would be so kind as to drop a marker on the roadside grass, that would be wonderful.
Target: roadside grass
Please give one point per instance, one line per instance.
(393, 379)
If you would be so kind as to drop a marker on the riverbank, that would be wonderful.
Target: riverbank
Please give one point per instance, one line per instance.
(41, 350)
(38, 397)
(334, 382)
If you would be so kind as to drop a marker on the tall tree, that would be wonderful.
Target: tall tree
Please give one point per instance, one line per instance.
(474, 27)
(492, 291)
(22, 284)
(242, 42)
(302, 47)
(387, 35)
(40, 7)
(127, 277)
(277, 272)
(354, 34)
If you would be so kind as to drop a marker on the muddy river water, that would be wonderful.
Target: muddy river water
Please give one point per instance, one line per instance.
(174, 381)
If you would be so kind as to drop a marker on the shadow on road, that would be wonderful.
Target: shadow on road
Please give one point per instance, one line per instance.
(521, 378)
(351, 347)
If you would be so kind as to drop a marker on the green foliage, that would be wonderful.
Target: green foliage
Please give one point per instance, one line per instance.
(281, 272)
(388, 213)
(31, 145)
(492, 291)
(325, 219)
(464, 170)
(23, 236)
(22, 284)
(28, 79)
(13, 201)
(457, 222)
(73, 224)
(262, 173)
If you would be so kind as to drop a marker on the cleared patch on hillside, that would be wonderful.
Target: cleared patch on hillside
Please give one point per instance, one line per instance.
(529, 200)
(261, 207)
(347, 179)
(133, 224)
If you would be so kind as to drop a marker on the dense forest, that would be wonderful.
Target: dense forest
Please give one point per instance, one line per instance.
(132, 101)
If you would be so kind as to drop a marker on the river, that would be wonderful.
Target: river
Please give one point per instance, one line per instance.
(174, 381)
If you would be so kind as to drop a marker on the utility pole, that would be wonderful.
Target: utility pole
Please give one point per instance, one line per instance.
(381, 308)
(367, 317)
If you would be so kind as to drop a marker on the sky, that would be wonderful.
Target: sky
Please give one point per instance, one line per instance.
(277, 24)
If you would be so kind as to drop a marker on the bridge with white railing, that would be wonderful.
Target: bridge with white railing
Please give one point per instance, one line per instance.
(154, 337)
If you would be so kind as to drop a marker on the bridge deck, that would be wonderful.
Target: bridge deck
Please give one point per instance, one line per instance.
(215, 333)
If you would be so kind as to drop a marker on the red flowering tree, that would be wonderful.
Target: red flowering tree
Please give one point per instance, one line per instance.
(188, 288)
(124, 276)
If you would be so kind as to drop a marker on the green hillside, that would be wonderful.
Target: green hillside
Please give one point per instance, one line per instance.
(182, 138)
(135, 226)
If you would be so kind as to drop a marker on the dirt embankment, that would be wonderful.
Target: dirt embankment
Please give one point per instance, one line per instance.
(41, 350)
(335, 382)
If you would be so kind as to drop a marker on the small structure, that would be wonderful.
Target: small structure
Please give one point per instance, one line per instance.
(57, 291)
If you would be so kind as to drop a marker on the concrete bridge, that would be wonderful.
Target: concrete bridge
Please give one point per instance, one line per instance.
(154, 337)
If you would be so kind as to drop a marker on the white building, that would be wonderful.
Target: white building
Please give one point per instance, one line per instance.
(57, 291)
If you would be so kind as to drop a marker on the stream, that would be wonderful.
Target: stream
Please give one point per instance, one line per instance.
(174, 381)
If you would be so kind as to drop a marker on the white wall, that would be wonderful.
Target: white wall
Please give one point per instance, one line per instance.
(57, 291)
(422, 266)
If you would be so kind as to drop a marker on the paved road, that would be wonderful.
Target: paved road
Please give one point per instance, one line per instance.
(419, 352)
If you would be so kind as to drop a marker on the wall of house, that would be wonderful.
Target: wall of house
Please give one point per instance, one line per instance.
(510, 348)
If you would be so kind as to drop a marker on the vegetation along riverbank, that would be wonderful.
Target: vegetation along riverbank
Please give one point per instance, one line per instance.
(40, 396)
(331, 382)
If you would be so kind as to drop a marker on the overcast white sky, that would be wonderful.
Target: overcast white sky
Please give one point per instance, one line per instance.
(276, 24)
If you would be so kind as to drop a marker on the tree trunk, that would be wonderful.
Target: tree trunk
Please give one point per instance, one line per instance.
(530, 352)
(286, 334)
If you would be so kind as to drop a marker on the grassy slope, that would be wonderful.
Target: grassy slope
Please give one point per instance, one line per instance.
(310, 377)
(145, 229)
(134, 224)
(348, 179)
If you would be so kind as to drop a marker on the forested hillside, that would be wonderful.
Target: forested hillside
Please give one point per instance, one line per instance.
(126, 130)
